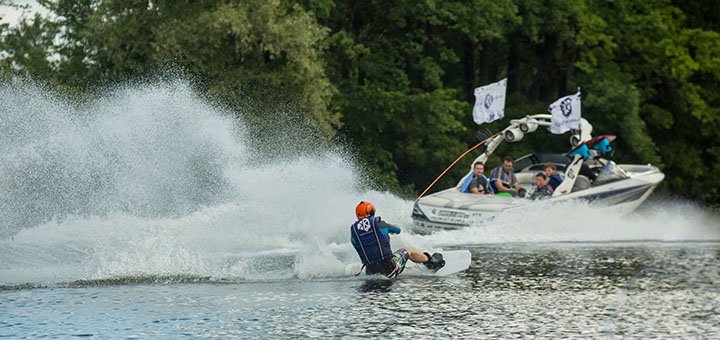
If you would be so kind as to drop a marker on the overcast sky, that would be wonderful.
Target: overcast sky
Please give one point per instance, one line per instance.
(12, 16)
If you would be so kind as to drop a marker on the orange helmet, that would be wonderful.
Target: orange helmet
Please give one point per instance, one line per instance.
(364, 209)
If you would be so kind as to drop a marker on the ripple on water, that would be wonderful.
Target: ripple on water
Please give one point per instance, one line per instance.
(510, 291)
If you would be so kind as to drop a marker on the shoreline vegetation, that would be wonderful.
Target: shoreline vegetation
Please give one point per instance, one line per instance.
(395, 83)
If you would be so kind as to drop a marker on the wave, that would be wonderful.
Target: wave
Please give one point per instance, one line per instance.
(659, 220)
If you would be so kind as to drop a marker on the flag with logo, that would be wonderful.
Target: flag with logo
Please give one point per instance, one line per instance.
(489, 102)
(565, 114)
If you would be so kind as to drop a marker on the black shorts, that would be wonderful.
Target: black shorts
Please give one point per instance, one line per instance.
(390, 267)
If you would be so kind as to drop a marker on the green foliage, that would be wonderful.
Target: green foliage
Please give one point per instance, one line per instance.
(396, 131)
(653, 49)
(401, 91)
(252, 49)
(395, 80)
(240, 53)
(25, 49)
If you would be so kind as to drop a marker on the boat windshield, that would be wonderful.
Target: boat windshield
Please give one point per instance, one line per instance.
(611, 172)
(523, 162)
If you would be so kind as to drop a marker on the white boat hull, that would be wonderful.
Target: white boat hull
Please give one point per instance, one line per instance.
(451, 209)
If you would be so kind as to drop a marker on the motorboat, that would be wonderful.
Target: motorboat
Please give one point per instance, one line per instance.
(589, 176)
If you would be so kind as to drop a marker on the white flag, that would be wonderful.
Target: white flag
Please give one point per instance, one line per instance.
(490, 102)
(565, 113)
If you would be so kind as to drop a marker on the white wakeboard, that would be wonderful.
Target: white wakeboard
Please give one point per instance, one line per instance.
(455, 262)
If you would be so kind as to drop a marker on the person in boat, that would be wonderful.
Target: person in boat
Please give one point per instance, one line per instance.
(370, 238)
(543, 188)
(480, 184)
(554, 178)
(503, 178)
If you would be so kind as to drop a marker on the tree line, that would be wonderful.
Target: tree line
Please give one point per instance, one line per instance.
(395, 81)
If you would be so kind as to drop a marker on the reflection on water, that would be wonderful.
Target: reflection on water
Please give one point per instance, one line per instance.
(580, 267)
(511, 291)
(376, 285)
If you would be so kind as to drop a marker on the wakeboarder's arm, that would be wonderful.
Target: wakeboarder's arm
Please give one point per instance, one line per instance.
(388, 228)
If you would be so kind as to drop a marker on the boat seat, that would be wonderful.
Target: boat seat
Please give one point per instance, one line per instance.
(581, 183)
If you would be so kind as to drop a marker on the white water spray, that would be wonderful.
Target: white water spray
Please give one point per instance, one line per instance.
(669, 221)
(151, 181)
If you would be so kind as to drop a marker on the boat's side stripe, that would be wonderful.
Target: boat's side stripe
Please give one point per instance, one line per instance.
(640, 190)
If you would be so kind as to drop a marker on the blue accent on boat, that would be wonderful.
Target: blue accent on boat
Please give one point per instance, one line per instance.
(603, 146)
(582, 150)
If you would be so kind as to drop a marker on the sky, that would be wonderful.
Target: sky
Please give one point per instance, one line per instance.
(12, 15)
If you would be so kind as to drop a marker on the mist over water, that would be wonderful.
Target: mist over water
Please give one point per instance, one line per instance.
(659, 220)
(151, 181)
(151, 152)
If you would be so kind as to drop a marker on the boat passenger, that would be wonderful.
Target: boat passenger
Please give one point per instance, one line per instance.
(503, 178)
(370, 237)
(480, 184)
(543, 189)
(554, 178)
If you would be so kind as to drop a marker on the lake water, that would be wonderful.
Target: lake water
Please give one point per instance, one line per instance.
(150, 214)
(560, 290)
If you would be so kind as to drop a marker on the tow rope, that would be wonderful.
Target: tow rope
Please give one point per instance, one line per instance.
(453, 163)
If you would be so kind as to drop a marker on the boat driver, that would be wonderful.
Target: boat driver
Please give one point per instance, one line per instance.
(370, 237)
(480, 184)
(503, 178)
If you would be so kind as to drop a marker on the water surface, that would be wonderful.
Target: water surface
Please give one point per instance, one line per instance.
(596, 290)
